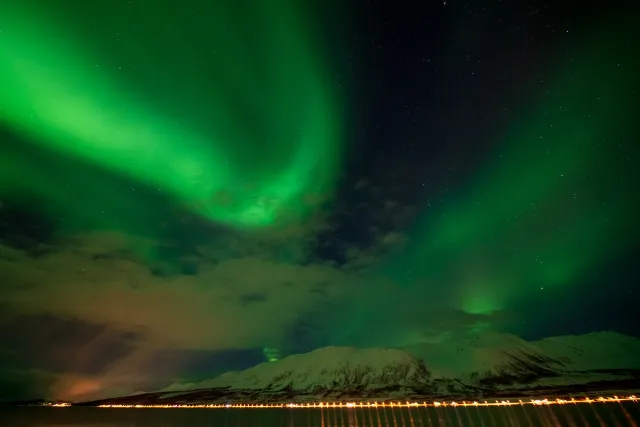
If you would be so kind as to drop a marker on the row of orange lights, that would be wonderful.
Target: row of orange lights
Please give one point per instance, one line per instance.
(537, 402)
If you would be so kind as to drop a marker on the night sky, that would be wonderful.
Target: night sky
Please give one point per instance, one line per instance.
(198, 186)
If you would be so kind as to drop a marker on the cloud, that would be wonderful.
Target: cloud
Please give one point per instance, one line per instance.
(61, 357)
(89, 278)
(57, 344)
(107, 314)
(110, 313)
(18, 384)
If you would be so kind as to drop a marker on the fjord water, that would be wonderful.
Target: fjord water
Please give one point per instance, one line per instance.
(600, 415)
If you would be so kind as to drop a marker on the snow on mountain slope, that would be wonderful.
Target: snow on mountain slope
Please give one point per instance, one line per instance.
(504, 360)
(330, 368)
(486, 354)
(486, 366)
(594, 351)
(486, 360)
(494, 354)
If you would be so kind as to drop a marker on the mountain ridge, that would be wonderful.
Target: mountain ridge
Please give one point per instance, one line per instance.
(478, 367)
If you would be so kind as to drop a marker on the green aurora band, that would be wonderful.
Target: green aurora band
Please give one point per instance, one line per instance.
(233, 113)
(228, 109)
(551, 203)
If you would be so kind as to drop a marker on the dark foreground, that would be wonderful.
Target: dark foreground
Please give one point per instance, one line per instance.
(597, 414)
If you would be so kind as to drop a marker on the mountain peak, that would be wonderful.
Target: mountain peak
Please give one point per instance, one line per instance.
(488, 366)
(329, 368)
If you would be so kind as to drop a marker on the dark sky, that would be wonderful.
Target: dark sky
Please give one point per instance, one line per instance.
(196, 188)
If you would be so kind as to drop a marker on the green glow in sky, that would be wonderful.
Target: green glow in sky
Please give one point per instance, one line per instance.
(271, 354)
(229, 110)
(548, 204)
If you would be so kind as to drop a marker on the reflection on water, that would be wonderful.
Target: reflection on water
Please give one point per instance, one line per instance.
(597, 415)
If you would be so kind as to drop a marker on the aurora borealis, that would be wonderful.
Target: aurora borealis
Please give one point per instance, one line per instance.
(552, 199)
(240, 124)
(198, 187)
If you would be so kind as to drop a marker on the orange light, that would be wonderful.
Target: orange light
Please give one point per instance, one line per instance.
(369, 404)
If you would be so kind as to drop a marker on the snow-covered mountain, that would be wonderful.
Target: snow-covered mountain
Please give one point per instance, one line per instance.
(488, 365)
(595, 351)
(498, 360)
(488, 354)
(331, 368)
